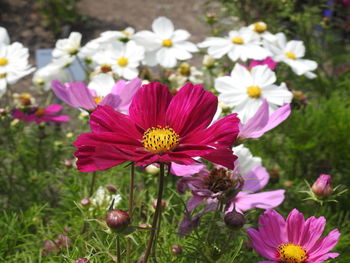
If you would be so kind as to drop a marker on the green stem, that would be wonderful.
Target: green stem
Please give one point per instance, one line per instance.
(157, 213)
(92, 184)
(131, 201)
(119, 260)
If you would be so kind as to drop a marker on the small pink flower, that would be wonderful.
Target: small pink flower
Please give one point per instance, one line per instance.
(262, 121)
(38, 115)
(323, 186)
(294, 240)
(267, 61)
(78, 95)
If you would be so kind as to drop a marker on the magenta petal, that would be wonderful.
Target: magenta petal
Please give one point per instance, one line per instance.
(323, 258)
(223, 157)
(186, 170)
(149, 105)
(59, 118)
(256, 179)
(259, 245)
(254, 128)
(279, 116)
(106, 156)
(112, 101)
(313, 229)
(53, 108)
(325, 244)
(295, 226)
(194, 201)
(192, 108)
(125, 92)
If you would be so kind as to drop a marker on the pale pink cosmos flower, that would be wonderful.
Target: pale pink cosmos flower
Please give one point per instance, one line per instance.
(38, 115)
(262, 121)
(102, 90)
(294, 240)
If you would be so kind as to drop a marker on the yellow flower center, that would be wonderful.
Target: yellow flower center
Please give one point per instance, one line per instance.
(159, 140)
(3, 61)
(290, 253)
(125, 32)
(167, 43)
(260, 27)
(39, 81)
(254, 92)
(3, 75)
(25, 99)
(73, 51)
(40, 112)
(123, 61)
(98, 99)
(290, 55)
(237, 40)
(185, 69)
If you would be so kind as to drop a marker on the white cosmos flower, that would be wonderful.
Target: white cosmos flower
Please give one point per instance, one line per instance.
(243, 44)
(292, 53)
(260, 29)
(54, 70)
(103, 199)
(246, 161)
(112, 36)
(67, 48)
(245, 90)
(122, 59)
(4, 36)
(185, 73)
(165, 46)
(13, 64)
(102, 85)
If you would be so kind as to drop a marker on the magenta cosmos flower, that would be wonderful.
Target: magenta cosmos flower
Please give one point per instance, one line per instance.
(294, 240)
(38, 115)
(159, 128)
(101, 91)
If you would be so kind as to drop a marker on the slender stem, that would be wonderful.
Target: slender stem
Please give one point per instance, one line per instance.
(92, 184)
(119, 260)
(131, 201)
(157, 213)
(212, 221)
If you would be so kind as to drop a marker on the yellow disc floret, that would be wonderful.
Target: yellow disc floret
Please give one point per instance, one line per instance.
(123, 61)
(254, 92)
(3, 61)
(160, 140)
(260, 27)
(290, 55)
(98, 100)
(40, 112)
(290, 253)
(167, 43)
(237, 40)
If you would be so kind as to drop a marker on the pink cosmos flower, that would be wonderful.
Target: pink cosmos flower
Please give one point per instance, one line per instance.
(159, 128)
(101, 91)
(267, 61)
(262, 121)
(38, 115)
(294, 240)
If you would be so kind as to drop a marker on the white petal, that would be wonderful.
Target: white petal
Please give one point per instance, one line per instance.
(180, 35)
(163, 27)
(150, 58)
(166, 58)
(102, 84)
(130, 73)
(148, 40)
(188, 46)
(263, 76)
(277, 95)
(4, 37)
(301, 66)
(180, 53)
(296, 47)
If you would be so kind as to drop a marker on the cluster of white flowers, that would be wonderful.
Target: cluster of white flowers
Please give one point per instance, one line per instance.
(14, 63)
(103, 199)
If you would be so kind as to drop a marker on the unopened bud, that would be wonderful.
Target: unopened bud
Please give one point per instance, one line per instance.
(3, 112)
(234, 220)
(85, 201)
(68, 164)
(208, 61)
(288, 184)
(111, 188)
(154, 203)
(82, 260)
(117, 219)
(176, 249)
(323, 186)
(152, 169)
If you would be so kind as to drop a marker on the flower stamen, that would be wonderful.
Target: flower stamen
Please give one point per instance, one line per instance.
(254, 92)
(3, 61)
(159, 140)
(290, 55)
(260, 27)
(167, 43)
(290, 253)
(237, 40)
(40, 112)
(123, 61)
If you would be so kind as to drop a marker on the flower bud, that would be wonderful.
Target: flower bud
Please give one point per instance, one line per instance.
(323, 186)
(117, 219)
(111, 188)
(288, 184)
(3, 112)
(208, 61)
(85, 201)
(82, 260)
(68, 164)
(234, 220)
(152, 169)
(154, 203)
(176, 249)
